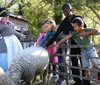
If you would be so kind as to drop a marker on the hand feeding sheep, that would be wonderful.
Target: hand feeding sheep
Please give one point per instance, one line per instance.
(25, 66)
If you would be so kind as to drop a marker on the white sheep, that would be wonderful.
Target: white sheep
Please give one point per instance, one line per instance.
(26, 65)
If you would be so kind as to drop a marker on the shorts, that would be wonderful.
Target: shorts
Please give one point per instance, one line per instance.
(87, 54)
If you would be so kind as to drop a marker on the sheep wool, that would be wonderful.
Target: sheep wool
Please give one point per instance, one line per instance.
(26, 65)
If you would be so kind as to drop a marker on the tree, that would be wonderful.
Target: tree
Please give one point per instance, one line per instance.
(58, 11)
(35, 10)
(38, 10)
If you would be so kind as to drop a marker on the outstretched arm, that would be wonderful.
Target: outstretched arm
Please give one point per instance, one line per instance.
(88, 33)
(63, 40)
(46, 37)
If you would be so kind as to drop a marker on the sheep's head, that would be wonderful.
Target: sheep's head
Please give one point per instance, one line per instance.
(6, 80)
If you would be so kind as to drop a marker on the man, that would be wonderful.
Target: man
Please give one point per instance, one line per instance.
(66, 28)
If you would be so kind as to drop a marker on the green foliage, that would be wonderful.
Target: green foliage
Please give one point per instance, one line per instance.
(58, 11)
(0, 3)
(93, 1)
(77, 4)
(38, 10)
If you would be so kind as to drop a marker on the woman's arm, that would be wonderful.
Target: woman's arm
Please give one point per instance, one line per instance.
(18, 34)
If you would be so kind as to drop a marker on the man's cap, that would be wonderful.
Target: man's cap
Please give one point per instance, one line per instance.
(3, 12)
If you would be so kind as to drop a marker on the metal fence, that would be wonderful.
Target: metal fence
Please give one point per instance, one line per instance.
(67, 65)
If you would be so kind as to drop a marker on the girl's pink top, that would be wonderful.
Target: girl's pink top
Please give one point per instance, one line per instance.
(51, 49)
(41, 35)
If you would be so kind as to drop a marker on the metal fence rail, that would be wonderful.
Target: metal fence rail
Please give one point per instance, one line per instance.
(67, 64)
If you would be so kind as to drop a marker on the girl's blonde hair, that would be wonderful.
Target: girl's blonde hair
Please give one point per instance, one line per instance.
(51, 22)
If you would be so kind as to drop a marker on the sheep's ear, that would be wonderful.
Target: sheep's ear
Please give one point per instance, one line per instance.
(1, 71)
(20, 81)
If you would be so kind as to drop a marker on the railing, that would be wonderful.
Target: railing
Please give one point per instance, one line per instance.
(67, 65)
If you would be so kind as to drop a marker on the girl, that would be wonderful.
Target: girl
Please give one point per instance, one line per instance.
(51, 50)
(41, 35)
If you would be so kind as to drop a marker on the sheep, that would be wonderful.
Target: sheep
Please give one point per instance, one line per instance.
(27, 64)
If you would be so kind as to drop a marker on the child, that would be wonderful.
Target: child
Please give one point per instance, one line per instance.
(41, 35)
(81, 37)
(51, 50)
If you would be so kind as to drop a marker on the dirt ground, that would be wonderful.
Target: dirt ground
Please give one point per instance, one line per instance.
(70, 82)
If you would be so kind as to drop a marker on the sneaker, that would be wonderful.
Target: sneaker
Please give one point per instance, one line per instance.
(55, 78)
(60, 81)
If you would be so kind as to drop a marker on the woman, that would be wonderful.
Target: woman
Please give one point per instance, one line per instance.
(9, 43)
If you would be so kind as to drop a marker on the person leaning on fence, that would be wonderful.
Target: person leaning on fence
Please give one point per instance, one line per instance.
(51, 50)
(9, 43)
(89, 51)
(66, 28)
